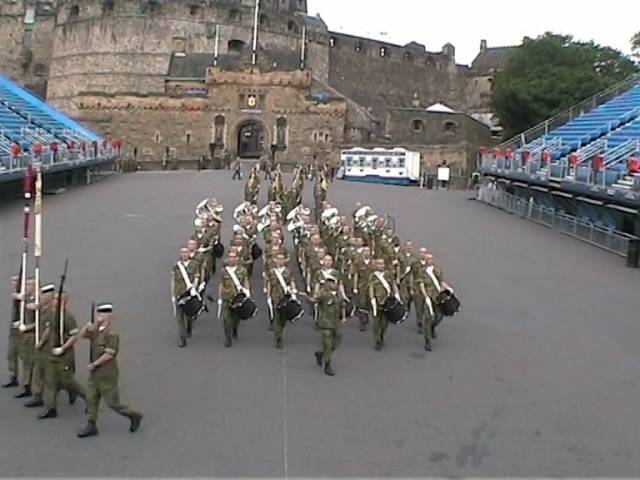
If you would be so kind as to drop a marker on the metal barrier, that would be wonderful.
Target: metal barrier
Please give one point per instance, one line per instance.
(608, 239)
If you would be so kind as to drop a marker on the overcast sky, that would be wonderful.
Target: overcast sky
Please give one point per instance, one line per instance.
(465, 22)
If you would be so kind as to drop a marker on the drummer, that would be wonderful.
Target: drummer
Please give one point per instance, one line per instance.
(185, 276)
(382, 285)
(430, 282)
(233, 280)
(280, 285)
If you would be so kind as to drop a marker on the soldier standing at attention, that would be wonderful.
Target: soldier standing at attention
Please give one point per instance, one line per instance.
(12, 347)
(382, 285)
(103, 370)
(184, 278)
(279, 284)
(329, 297)
(60, 361)
(233, 280)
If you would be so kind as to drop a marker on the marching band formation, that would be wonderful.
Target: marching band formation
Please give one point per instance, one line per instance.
(352, 266)
(43, 333)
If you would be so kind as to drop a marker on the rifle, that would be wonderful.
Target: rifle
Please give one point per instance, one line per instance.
(93, 323)
(59, 308)
(37, 246)
(28, 191)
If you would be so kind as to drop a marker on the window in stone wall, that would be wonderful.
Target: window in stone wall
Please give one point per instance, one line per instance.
(188, 137)
(383, 51)
(235, 46)
(150, 7)
(107, 6)
(315, 137)
(39, 70)
(157, 137)
(264, 20)
(235, 14)
(332, 41)
(292, 26)
(450, 126)
(408, 57)
(179, 44)
(74, 12)
(326, 137)
(194, 9)
(359, 47)
(417, 125)
(281, 133)
(219, 130)
(430, 62)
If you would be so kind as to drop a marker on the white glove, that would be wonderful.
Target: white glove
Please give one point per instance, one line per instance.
(247, 292)
(219, 301)
(22, 327)
(15, 324)
(193, 291)
(57, 351)
(355, 290)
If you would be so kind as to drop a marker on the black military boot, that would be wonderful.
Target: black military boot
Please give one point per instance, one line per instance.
(363, 326)
(13, 382)
(189, 328)
(25, 392)
(328, 370)
(135, 420)
(182, 342)
(235, 333)
(434, 335)
(227, 342)
(36, 401)
(89, 431)
(378, 346)
(73, 396)
(279, 345)
(427, 346)
(318, 358)
(48, 413)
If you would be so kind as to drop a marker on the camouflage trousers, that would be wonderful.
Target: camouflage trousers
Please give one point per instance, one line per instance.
(331, 338)
(380, 325)
(32, 363)
(12, 352)
(105, 387)
(429, 317)
(60, 376)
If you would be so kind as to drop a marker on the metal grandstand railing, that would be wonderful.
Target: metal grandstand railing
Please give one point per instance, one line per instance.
(608, 239)
(561, 118)
(622, 152)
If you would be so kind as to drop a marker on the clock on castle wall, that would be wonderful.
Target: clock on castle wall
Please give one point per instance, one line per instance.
(252, 101)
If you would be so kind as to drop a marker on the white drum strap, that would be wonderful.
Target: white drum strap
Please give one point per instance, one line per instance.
(234, 278)
(185, 276)
(384, 282)
(281, 281)
(433, 278)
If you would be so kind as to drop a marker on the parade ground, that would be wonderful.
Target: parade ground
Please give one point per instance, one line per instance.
(539, 374)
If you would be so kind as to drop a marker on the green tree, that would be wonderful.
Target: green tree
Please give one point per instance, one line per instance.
(550, 74)
(635, 44)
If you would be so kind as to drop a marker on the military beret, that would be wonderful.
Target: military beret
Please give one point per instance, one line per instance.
(104, 308)
(50, 287)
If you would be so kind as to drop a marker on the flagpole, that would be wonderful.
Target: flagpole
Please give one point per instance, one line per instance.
(216, 46)
(254, 55)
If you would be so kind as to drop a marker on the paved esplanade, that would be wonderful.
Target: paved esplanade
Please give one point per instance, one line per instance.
(539, 375)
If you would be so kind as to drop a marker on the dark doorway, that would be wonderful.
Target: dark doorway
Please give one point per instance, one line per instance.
(250, 140)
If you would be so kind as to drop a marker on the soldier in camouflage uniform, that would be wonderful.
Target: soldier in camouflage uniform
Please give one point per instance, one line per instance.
(279, 283)
(179, 287)
(430, 282)
(30, 358)
(227, 290)
(362, 268)
(103, 370)
(12, 346)
(329, 296)
(382, 285)
(405, 278)
(60, 358)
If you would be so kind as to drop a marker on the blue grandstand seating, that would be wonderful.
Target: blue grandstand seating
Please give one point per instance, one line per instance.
(610, 131)
(25, 120)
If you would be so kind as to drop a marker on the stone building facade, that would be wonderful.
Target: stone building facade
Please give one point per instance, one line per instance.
(174, 78)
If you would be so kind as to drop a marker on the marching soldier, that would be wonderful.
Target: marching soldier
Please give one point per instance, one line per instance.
(32, 371)
(233, 280)
(329, 297)
(197, 258)
(382, 285)
(185, 276)
(362, 269)
(103, 370)
(12, 347)
(279, 284)
(60, 359)
(405, 278)
(430, 282)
